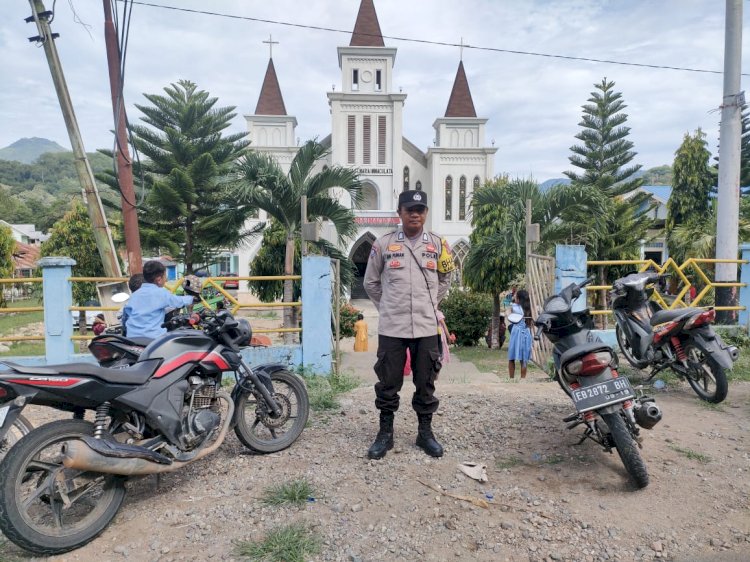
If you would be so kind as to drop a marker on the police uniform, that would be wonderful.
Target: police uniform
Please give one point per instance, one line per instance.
(406, 279)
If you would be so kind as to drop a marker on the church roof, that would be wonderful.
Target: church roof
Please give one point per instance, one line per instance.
(367, 29)
(460, 103)
(270, 101)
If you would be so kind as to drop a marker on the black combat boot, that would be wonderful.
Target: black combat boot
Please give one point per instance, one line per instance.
(384, 439)
(425, 439)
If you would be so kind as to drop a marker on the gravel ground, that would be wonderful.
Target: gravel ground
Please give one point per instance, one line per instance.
(549, 499)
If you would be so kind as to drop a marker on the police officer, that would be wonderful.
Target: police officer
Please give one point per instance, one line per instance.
(407, 275)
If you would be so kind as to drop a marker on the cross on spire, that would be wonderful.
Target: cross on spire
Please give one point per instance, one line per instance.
(461, 49)
(270, 44)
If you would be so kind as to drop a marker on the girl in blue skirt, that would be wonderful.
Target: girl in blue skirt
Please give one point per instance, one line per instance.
(519, 348)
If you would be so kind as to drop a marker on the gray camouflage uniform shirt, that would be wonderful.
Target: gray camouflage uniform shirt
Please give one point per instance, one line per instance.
(395, 282)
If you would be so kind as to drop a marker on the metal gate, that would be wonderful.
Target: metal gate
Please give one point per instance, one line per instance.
(540, 282)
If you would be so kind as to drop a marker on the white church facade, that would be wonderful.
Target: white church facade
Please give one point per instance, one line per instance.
(367, 135)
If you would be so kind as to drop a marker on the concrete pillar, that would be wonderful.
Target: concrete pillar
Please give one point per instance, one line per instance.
(570, 267)
(58, 298)
(744, 316)
(317, 351)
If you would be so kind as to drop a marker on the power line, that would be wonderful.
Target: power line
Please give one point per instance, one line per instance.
(429, 42)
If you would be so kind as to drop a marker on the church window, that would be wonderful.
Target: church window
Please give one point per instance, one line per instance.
(351, 123)
(449, 198)
(378, 80)
(462, 198)
(381, 139)
(460, 253)
(355, 80)
(419, 185)
(406, 178)
(366, 127)
(476, 184)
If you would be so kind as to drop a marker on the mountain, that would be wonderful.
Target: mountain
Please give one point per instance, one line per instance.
(544, 186)
(28, 150)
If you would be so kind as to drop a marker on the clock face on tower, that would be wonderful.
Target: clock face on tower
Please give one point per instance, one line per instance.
(366, 76)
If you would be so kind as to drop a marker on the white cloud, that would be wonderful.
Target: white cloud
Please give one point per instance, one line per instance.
(533, 103)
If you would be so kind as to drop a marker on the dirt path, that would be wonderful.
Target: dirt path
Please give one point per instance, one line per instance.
(551, 500)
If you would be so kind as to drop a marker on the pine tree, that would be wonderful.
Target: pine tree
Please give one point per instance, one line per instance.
(606, 156)
(187, 156)
(691, 184)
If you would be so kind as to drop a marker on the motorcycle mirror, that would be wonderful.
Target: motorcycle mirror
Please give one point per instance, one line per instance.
(120, 297)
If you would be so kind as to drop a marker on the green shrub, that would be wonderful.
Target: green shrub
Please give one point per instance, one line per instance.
(347, 318)
(467, 315)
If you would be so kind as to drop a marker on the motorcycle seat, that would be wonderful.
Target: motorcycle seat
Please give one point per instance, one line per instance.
(138, 373)
(584, 349)
(668, 315)
(137, 341)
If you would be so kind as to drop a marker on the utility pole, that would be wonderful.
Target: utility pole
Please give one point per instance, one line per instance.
(727, 225)
(102, 234)
(124, 163)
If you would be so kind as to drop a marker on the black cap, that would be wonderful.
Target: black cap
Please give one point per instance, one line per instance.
(412, 198)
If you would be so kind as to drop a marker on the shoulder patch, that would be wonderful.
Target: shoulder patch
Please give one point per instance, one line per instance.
(373, 252)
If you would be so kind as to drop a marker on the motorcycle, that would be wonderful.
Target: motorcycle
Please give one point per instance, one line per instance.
(681, 339)
(63, 483)
(586, 369)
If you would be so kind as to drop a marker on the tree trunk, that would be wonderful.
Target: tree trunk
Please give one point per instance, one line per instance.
(495, 334)
(289, 288)
(189, 244)
(82, 330)
(602, 298)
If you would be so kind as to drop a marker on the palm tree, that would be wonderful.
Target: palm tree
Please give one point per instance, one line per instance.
(262, 184)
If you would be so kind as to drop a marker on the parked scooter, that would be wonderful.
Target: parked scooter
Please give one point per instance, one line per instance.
(681, 339)
(586, 369)
(63, 483)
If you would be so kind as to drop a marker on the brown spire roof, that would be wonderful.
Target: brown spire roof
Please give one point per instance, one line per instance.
(367, 29)
(270, 101)
(460, 103)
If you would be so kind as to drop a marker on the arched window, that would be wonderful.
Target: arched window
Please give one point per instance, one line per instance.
(449, 198)
(406, 178)
(476, 183)
(370, 199)
(419, 185)
(460, 253)
(462, 198)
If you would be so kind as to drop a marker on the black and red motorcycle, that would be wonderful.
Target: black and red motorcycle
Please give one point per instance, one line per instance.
(62, 484)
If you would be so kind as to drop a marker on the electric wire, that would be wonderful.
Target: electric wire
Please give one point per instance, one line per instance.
(427, 41)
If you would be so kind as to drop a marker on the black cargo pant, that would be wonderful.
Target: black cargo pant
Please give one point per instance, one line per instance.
(425, 364)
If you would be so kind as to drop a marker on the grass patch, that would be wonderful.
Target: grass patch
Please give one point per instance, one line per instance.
(10, 321)
(324, 390)
(554, 459)
(290, 543)
(508, 462)
(487, 360)
(689, 453)
(713, 406)
(25, 348)
(294, 492)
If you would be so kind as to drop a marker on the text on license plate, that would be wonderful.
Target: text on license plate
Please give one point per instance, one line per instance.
(609, 392)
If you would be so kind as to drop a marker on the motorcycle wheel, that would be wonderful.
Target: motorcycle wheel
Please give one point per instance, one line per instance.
(626, 348)
(264, 434)
(709, 381)
(20, 427)
(46, 508)
(627, 449)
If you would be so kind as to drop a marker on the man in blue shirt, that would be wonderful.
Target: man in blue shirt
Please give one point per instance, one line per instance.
(146, 308)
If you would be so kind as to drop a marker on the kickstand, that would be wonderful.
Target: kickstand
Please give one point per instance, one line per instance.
(585, 436)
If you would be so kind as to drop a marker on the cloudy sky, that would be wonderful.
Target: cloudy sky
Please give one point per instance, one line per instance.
(533, 103)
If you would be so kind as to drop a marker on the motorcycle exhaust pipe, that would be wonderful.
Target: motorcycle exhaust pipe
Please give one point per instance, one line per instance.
(647, 415)
(734, 353)
(79, 456)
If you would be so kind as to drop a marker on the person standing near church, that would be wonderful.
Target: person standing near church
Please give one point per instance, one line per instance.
(408, 274)
(360, 333)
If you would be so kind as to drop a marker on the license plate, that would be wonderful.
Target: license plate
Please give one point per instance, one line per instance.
(602, 394)
(3, 413)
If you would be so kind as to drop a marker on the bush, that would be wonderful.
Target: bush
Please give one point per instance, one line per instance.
(347, 318)
(467, 315)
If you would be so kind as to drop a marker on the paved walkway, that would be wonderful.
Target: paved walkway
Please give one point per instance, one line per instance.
(360, 364)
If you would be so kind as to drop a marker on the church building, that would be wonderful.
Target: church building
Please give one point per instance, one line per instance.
(367, 135)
